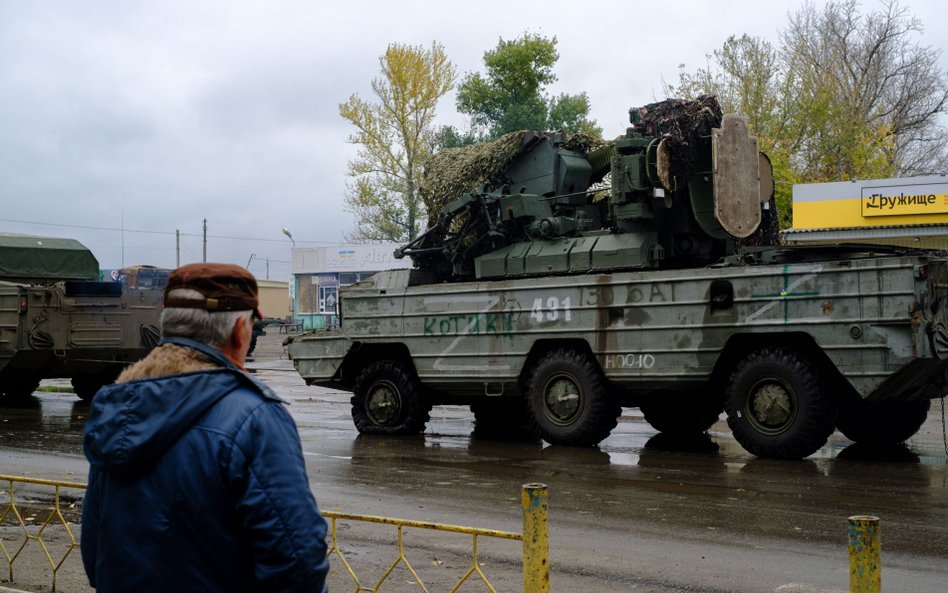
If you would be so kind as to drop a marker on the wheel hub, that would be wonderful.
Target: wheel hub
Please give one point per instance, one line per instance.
(772, 406)
(383, 404)
(562, 400)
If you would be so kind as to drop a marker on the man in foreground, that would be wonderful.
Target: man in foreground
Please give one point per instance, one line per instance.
(197, 480)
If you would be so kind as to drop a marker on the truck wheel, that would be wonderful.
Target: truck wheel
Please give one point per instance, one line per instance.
(567, 400)
(387, 399)
(683, 413)
(86, 386)
(20, 386)
(504, 417)
(881, 424)
(777, 406)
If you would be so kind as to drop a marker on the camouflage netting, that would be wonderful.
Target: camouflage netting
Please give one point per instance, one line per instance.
(454, 172)
(679, 123)
(682, 123)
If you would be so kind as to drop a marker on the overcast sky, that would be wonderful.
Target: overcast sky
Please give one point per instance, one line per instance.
(153, 116)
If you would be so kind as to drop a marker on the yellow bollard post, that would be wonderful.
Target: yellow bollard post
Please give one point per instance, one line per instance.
(865, 555)
(536, 536)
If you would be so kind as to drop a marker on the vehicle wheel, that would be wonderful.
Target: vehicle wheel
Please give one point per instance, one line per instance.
(777, 406)
(20, 385)
(567, 400)
(683, 413)
(86, 386)
(881, 424)
(504, 417)
(253, 343)
(387, 399)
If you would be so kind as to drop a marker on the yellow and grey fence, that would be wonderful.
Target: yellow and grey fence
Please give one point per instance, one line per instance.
(35, 526)
(37, 522)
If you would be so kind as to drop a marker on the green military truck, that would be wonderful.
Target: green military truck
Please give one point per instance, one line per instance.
(58, 321)
(548, 309)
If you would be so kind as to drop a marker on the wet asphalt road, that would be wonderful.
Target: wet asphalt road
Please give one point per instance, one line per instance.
(640, 513)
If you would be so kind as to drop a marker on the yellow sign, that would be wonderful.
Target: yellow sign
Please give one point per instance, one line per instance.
(882, 203)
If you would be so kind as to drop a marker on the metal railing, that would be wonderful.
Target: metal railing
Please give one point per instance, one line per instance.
(536, 576)
(865, 563)
(535, 539)
(35, 531)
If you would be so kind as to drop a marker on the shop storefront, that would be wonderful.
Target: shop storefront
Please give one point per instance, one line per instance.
(906, 212)
(319, 273)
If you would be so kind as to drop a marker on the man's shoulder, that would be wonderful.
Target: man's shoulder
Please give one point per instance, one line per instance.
(246, 396)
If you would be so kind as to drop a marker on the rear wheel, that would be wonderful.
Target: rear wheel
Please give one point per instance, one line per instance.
(567, 400)
(777, 405)
(387, 399)
(20, 385)
(881, 424)
(86, 386)
(683, 413)
(503, 417)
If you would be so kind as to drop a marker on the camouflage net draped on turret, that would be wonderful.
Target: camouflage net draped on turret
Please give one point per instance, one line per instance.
(454, 172)
(681, 123)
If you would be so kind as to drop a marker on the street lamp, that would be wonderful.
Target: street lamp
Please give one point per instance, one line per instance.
(252, 255)
(292, 282)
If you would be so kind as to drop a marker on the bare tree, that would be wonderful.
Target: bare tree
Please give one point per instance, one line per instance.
(874, 93)
(844, 95)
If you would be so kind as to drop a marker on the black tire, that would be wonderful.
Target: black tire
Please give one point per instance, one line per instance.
(567, 400)
(20, 385)
(777, 406)
(387, 399)
(86, 386)
(253, 343)
(501, 417)
(881, 424)
(685, 413)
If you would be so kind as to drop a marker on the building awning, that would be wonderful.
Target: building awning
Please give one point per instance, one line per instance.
(923, 236)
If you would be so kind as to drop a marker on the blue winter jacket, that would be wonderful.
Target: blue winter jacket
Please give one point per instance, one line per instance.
(197, 483)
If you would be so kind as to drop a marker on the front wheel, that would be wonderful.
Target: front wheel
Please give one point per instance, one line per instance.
(777, 406)
(20, 385)
(387, 399)
(501, 417)
(568, 402)
(684, 413)
(881, 424)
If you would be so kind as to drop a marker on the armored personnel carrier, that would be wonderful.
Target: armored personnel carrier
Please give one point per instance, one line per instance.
(58, 321)
(548, 299)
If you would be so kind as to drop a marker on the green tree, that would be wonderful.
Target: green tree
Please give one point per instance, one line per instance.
(845, 95)
(396, 136)
(510, 96)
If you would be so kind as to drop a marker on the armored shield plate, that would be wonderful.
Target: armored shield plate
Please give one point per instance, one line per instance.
(737, 193)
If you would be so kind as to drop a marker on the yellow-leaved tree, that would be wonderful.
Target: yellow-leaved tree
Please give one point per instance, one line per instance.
(395, 135)
(844, 95)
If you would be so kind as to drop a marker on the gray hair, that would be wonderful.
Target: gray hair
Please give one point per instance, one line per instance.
(202, 326)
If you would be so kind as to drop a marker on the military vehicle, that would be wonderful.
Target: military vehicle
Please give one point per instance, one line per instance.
(547, 304)
(57, 320)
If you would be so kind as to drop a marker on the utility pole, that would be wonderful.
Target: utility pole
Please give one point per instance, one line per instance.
(268, 268)
(205, 239)
(177, 248)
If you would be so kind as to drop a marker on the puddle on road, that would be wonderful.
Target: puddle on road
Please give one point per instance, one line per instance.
(49, 422)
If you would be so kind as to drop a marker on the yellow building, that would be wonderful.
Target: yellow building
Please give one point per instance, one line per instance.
(274, 298)
(907, 212)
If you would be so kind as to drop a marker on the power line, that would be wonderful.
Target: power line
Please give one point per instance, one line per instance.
(101, 228)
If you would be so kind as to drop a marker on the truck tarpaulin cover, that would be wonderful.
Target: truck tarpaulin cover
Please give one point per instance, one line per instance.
(24, 258)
